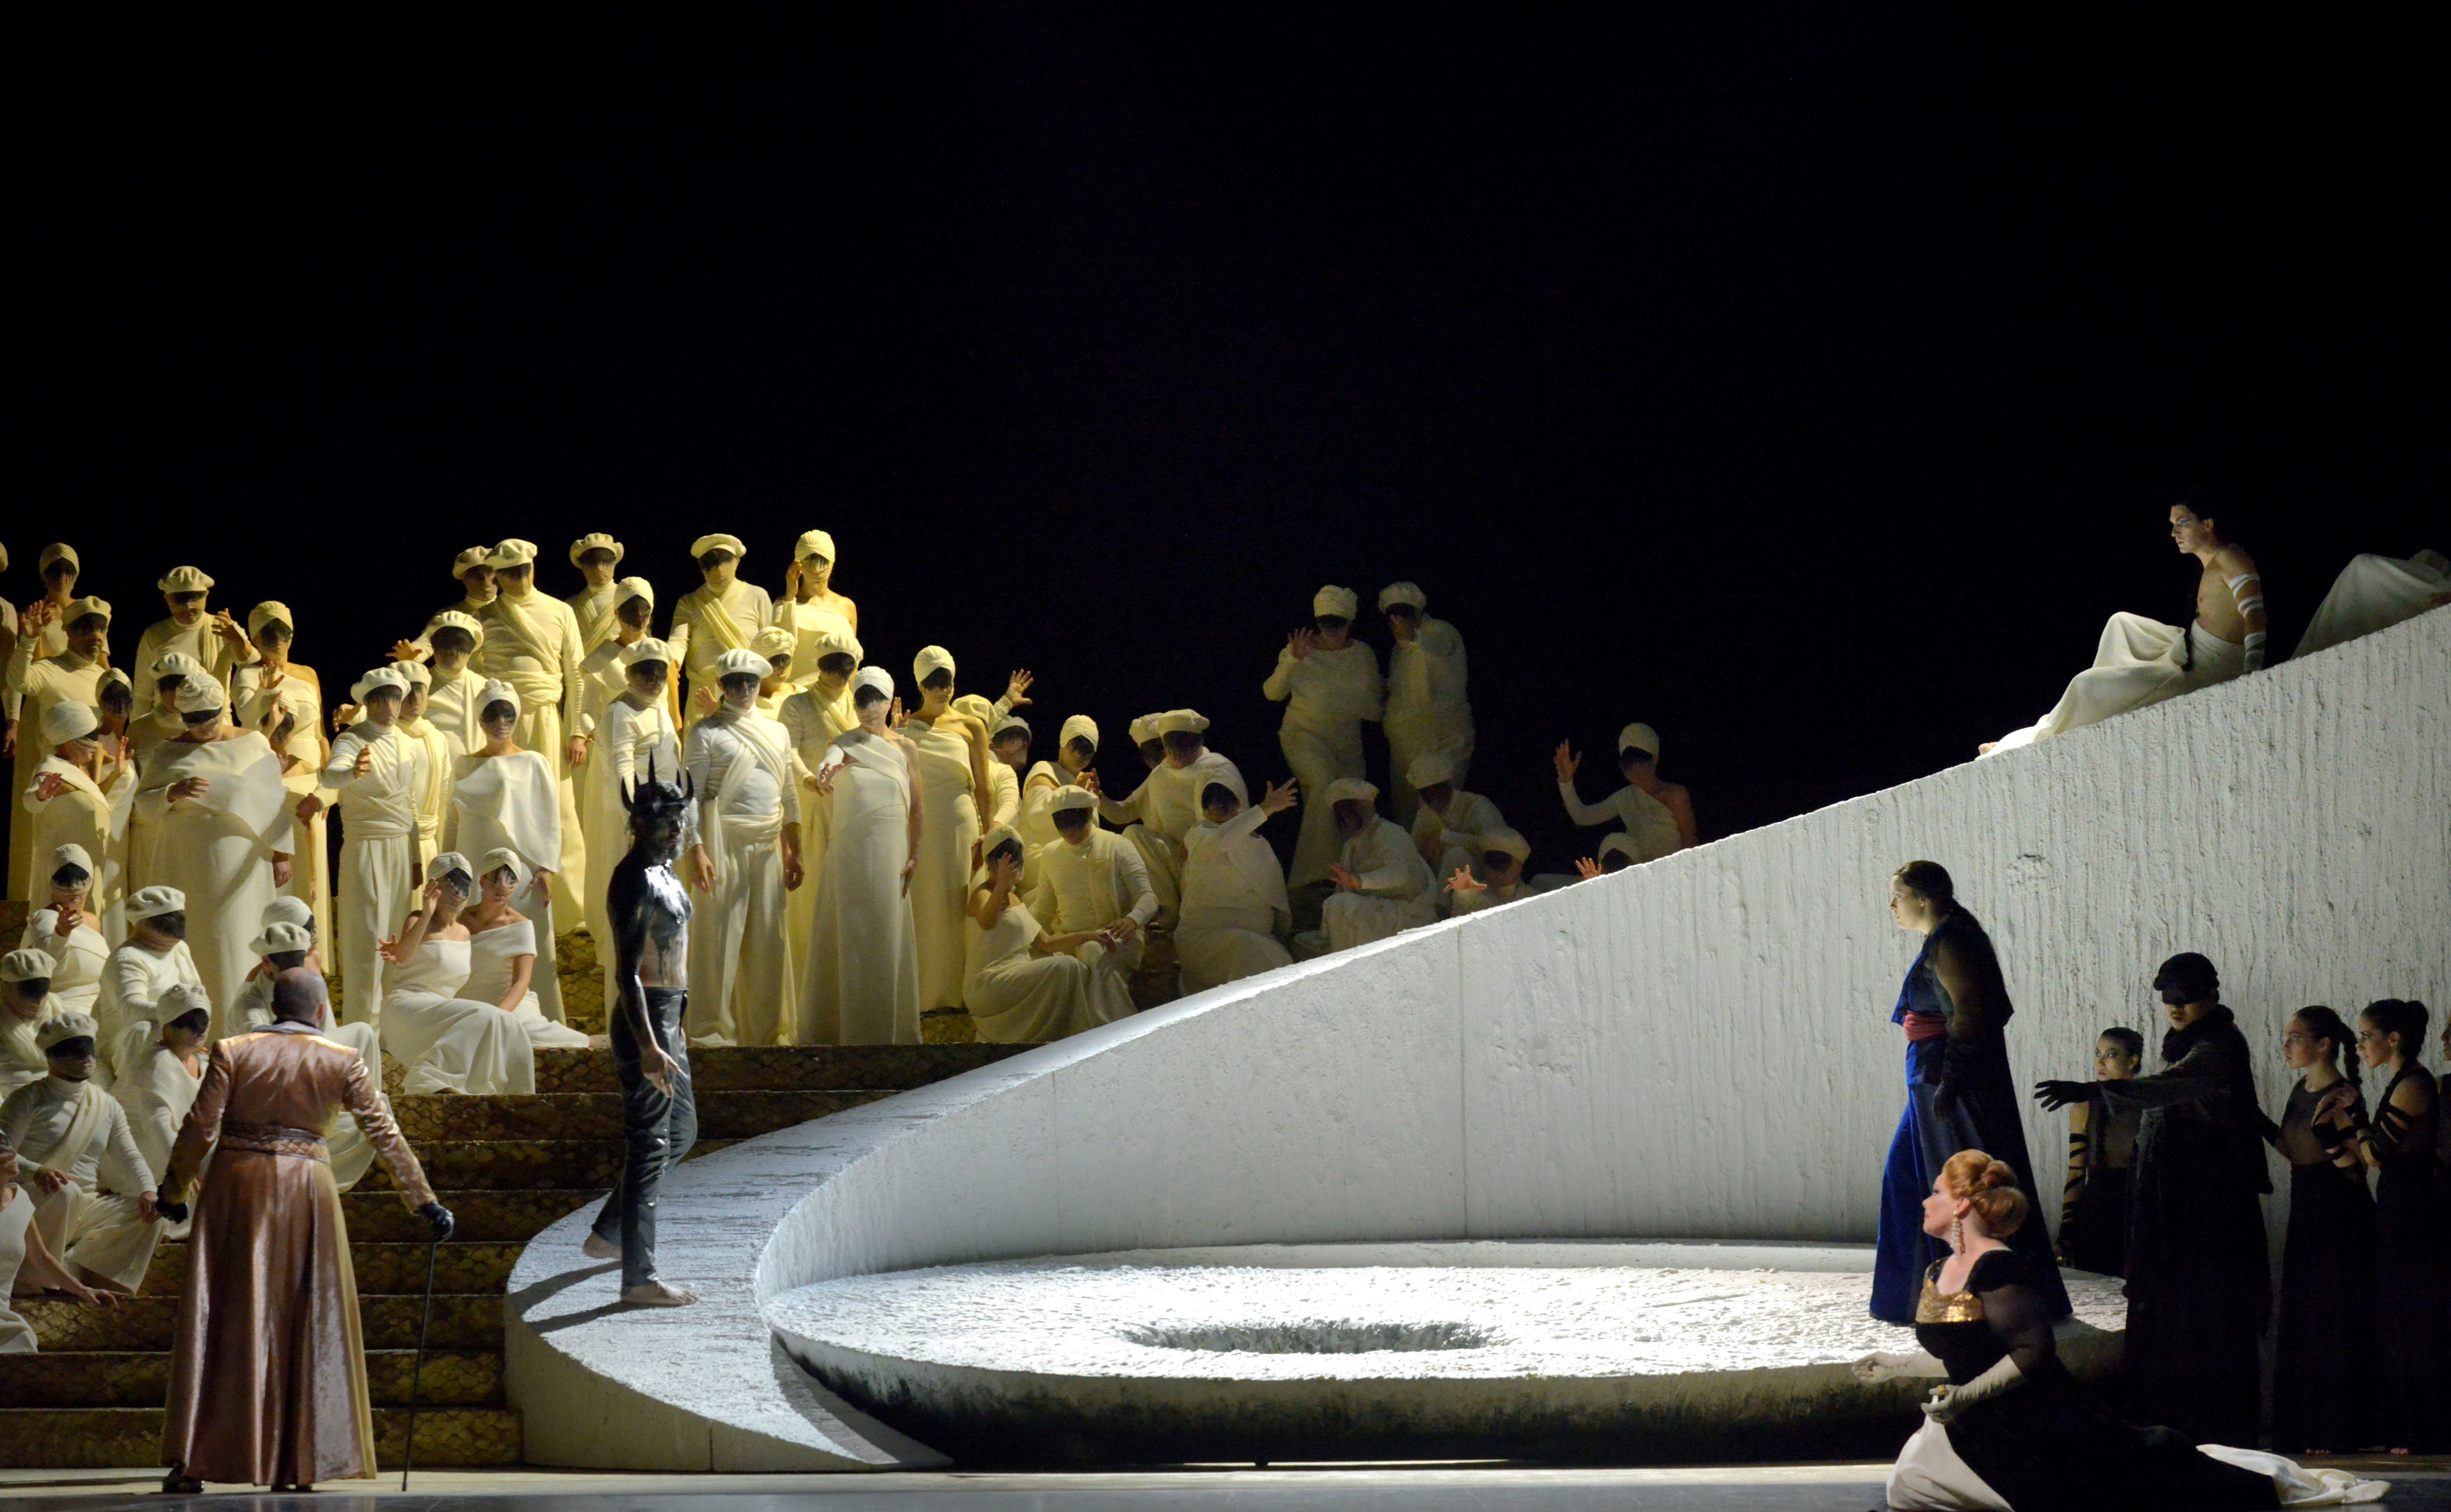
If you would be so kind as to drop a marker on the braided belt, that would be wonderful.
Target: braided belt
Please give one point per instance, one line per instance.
(273, 1139)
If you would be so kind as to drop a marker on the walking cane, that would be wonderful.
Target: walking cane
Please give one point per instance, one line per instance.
(417, 1371)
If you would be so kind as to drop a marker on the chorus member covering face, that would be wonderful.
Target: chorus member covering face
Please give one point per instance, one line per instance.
(1427, 711)
(862, 985)
(2142, 661)
(228, 832)
(67, 934)
(1329, 684)
(811, 609)
(746, 859)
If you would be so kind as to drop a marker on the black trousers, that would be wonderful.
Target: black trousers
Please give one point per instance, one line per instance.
(657, 1128)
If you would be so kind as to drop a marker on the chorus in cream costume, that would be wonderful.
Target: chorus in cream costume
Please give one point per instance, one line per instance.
(1020, 985)
(809, 609)
(1427, 711)
(2375, 592)
(211, 637)
(773, 644)
(633, 734)
(1383, 887)
(746, 859)
(1648, 813)
(226, 833)
(159, 1082)
(1076, 751)
(67, 805)
(37, 682)
(2141, 661)
(1235, 913)
(379, 775)
(66, 935)
(1129, 815)
(152, 960)
(1097, 892)
(721, 614)
(812, 718)
(66, 1126)
(474, 569)
(948, 756)
(862, 984)
(1329, 684)
(451, 699)
(531, 643)
(284, 702)
(1495, 877)
(604, 673)
(443, 754)
(598, 557)
(1004, 783)
(1449, 822)
(504, 955)
(447, 1037)
(288, 941)
(1167, 805)
(27, 1003)
(504, 797)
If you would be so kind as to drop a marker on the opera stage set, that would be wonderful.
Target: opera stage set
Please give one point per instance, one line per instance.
(1585, 1177)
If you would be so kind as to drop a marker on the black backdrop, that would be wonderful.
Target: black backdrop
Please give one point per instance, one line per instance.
(1808, 386)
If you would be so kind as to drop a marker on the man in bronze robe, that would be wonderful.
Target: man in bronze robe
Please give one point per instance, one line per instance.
(267, 1370)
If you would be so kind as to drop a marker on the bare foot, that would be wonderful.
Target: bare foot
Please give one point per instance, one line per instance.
(594, 1249)
(656, 1294)
(1987, 748)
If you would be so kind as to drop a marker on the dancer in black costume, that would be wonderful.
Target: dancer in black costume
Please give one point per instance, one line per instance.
(2323, 1354)
(2102, 1148)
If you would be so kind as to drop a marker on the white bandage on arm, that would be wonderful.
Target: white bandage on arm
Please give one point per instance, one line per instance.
(2254, 657)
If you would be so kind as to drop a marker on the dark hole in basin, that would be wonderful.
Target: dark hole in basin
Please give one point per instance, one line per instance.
(1313, 1336)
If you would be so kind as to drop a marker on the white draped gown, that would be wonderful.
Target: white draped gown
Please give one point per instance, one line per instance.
(1235, 913)
(1328, 696)
(2139, 663)
(514, 802)
(1018, 997)
(2375, 592)
(862, 983)
(941, 882)
(219, 846)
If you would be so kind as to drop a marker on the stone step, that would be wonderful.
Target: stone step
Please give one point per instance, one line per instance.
(512, 1165)
(789, 1068)
(130, 1438)
(597, 1115)
(373, 1214)
(85, 1378)
(381, 1269)
(146, 1325)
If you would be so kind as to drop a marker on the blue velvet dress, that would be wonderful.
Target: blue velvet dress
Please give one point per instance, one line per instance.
(1974, 1063)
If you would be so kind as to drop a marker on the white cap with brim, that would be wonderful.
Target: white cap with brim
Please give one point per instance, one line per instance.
(74, 855)
(1639, 737)
(1081, 727)
(150, 902)
(740, 663)
(278, 938)
(1335, 603)
(1182, 722)
(1430, 770)
(27, 965)
(1065, 800)
(1352, 790)
(717, 542)
(60, 1028)
(1507, 840)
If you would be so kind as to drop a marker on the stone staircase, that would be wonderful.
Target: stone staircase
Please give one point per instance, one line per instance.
(506, 1167)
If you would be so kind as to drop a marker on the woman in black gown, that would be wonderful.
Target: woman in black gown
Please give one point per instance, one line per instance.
(2412, 1380)
(2324, 1350)
(2015, 1430)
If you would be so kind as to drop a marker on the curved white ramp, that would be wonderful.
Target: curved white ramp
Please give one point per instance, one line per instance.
(1696, 1047)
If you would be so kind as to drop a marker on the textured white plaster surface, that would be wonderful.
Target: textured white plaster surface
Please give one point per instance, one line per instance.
(1697, 1046)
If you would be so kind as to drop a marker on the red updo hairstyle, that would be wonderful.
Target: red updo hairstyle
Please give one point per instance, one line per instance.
(1991, 1186)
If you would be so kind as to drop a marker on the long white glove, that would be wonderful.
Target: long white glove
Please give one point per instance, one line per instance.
(1945, 1402)
(1884, 1365)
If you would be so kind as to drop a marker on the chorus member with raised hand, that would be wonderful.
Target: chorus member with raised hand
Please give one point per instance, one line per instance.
(1236, 917)
(1331, 685)
(1658, 814)
(862, 985)
(1383, 886)
(1501, 879)
(810, 608)
(2412, 1228)
(2199, 1283)
(446, 1037)
(1023, 984)
(2322, 1358)
(473, 568)
(2102, 1149)
(211, 636)
(1954, 1008)
(2141, 661)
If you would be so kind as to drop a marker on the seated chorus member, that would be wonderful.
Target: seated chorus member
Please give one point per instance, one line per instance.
(443, 754)
(26, 1266)
(2375, 592)
(503, 797)
(284, 702)
(218, 646)
(1501, 881)
(502, 955)
(1132, 814)
(1658, 814)
(593, 607)
(1383, 887)
(1449, 823)
(721, 614)
(1235, 913)
(153, 959)
(1076, 751)
(27, 1003)
(445, 1038)
(67, 803)
(451, 703)
(1427, 711)
(1329, 684)
(743, 865)
(161, 1078)
(1022, 984)
(74, 1141)
(379, 775)
(473, 568)
(35, 686)
(948, 756)
(811, 608)
(2141, 661)
(1003, 804)
(66, 935)
(633, 732)
(862, 985)
(1616, 854)
(1097, 891)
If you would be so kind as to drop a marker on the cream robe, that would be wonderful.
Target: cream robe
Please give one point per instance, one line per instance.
(16, 1217)
(513, 802)
(81, 815)
(77, 958)
(493, 964)
(807, 622)
(1036, 823)
(2375, 592)
(33, 684)
(1327, 696)
(740, 960)
(706, 625)
(1089, 886)
(133, 980)
(218, 657)
(1427, 711)
(1396, 893)
(298, 693)
(155, 1094)
(451, 706)
(379, 879)
(218, 849)
(1647, 820)
(1453, 838)
(1235, 913)
(941, 882)
(78, 1129)
(1017, 996)
(590, 609)
(22, 1061)
(2135, 665)
(625, 740)
(448, 1042)
(531, 643)
(812, 718)
(862, 985)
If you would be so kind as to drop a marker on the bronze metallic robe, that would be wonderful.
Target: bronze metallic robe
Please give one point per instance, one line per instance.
(269, 1373)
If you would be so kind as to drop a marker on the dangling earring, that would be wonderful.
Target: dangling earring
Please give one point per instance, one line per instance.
(1957, 1233)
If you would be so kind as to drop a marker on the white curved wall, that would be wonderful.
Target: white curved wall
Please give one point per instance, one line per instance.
(1699, 1047)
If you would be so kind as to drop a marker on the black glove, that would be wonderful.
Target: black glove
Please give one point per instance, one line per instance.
(2057, 1095)
(440, 1217)
(171, 1212)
